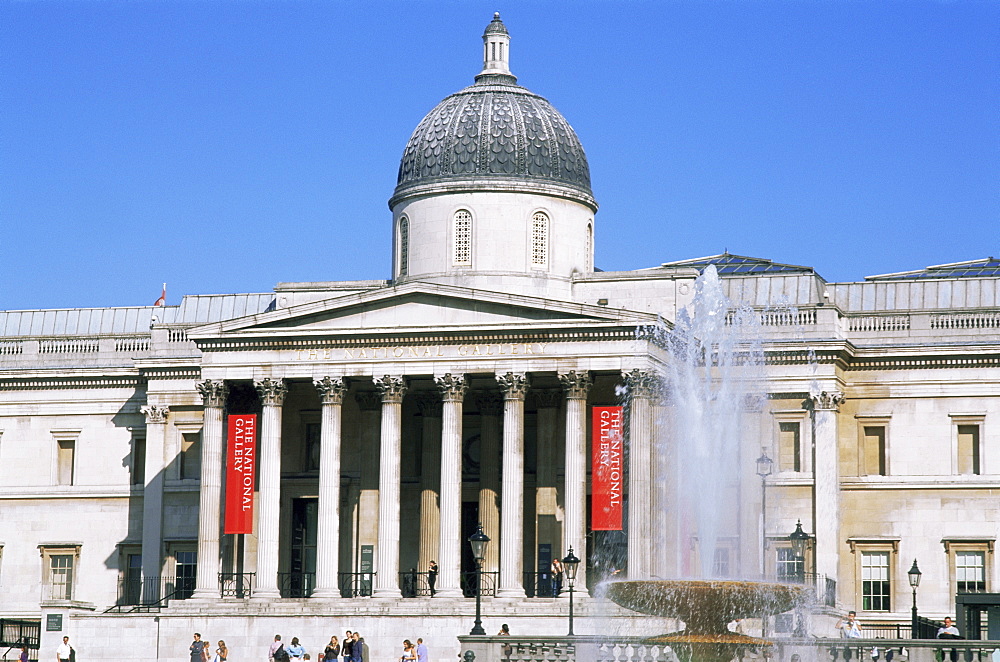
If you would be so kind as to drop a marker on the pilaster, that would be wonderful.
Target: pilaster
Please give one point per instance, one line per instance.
(826, 481)
(152, 501)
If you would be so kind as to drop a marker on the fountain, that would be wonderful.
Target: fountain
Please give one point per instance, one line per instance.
(715, 384)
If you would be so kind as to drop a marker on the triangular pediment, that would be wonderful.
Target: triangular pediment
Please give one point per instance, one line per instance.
(421, 308)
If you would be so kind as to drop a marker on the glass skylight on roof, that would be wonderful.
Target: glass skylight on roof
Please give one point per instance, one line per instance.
(973, 269)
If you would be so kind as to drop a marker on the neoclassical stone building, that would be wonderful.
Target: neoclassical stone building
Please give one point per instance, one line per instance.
(395, 416)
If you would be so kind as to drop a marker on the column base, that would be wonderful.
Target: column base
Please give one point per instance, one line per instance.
(205, 594)
(325, 593)
(511, 593)
(268, 593)
(448, 593)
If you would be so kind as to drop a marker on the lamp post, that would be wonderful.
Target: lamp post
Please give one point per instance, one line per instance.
(913, 574)
(478, 542)
(799, 540)
(764, 467)
(570, 564)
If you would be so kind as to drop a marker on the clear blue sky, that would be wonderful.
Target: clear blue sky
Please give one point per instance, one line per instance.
(229, 146)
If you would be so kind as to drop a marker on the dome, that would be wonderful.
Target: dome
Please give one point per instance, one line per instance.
(494, 135)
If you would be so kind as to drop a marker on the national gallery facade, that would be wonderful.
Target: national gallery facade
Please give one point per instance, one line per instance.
(393, 418)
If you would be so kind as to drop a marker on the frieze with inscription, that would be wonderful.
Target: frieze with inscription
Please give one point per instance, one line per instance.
(392, 352)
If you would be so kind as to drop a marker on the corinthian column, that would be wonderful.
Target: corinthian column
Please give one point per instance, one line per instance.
(392, 390)
(430, 480)
(577, 386)
(826, 480)
(331, 391)
(272, 395)
(450, 548)
(152, 501)
(514, 386)
(213, 395)
(641, 388)
(490, 411)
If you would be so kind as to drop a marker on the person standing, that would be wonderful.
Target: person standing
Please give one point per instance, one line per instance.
(275, 645)
(421, 650)
(221, 653)
(64, 653)
(557, 577)
(332, 651)
(849, 628)
(432, 576)
(347, 646)
(197, 648)
(23, 657)
(949, 631)
(358, 649)
(409, 652)
(296, 651)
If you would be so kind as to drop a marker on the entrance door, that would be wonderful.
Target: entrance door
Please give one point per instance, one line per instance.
(299, 582)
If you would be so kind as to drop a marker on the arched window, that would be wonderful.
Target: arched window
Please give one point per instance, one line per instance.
(590, 247)
(404, 246)
(539, 239)
(463, 238)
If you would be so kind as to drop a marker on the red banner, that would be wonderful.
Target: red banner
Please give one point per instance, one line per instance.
(241, 467)
(607, 476)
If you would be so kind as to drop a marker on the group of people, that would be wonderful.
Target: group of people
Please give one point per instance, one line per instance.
(201, 650)
(350, 649)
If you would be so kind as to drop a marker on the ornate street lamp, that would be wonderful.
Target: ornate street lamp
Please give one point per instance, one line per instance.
(478, 542)
(570, 564)
(800, 540)
(765, 466)
(913, 574)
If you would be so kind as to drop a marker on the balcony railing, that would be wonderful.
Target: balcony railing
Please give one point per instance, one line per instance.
(356, 584)
(296, 584)
(151, 593)
(540, 585)
(470, 580)
(414, 584)
(237, 584)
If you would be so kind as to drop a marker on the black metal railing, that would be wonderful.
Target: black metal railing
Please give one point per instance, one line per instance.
(296, 584)
(541, 585)
(470, 580)
(415, 584)
(356, 584)
(150, 594)
(926, 629)
(824, 587)
(237, 584)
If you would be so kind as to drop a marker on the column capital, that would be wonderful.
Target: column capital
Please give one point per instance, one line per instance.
(828, 400)
(155, 413)
(392, 389)
(490, 403)
(429, 403)
(547, 398)
(576, 384)
(213, 392)
(452, 387)
(642, 383)
(514, 385)
(331, 390)
(272, 391)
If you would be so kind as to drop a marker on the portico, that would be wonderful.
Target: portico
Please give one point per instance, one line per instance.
(430, 430)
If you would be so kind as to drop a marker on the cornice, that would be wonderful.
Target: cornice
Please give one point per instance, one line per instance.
(70, 382)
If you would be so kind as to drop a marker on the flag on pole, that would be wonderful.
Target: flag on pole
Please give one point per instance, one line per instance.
(162, 301)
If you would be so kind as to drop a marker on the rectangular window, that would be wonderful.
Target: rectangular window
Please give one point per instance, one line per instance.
(185, 574)
(873, 451)
(138, 460)
(789, 447)
(191, 455)
(66, 451)
(721, 562)
(789, 568)
(875, 587)
(312, 446)
(968, 449)
(970, 571)
(61, 576)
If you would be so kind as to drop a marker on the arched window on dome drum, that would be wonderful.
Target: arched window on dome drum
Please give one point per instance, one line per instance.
(463, 238)
(404, 246)
(539, 239)
(589, 257)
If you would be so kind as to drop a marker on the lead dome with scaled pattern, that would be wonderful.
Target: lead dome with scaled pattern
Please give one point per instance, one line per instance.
(494, 135)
